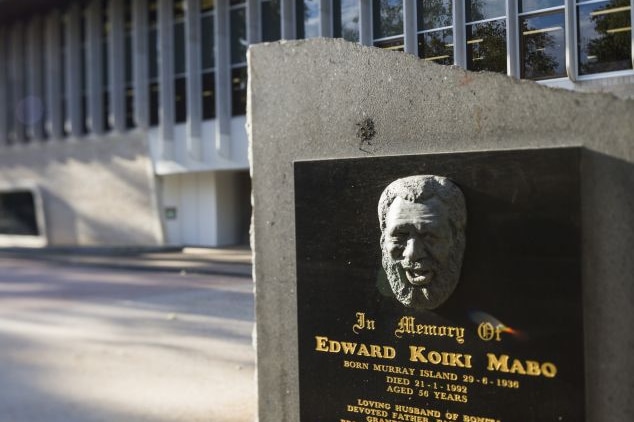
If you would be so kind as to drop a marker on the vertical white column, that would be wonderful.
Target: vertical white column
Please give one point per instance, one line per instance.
(4, 136)
(94, 68)
(194, 79)
(571, 39)
(409, 27)
(223, 79)
(17, 81)
(287, 16)
(325, 18)
(116, 63)
(35, 74)
(631, 32)
(512, 40)
(72, 71)
(166, 79)
(54, 77)
(254, 27)
(140, 57)
(365, 22)
(459, 35)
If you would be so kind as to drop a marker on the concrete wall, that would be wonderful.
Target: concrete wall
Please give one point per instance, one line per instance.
(621, 86)
(322, 90)
(208, 208)
(94, 191)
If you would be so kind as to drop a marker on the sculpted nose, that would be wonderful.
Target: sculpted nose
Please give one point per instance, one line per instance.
(414, 249)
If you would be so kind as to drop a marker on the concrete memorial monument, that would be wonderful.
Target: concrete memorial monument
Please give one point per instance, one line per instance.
(436, 245)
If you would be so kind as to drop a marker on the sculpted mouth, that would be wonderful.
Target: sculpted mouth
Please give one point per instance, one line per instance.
(418, 277)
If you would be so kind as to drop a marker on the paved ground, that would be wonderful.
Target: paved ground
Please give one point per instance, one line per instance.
(126, 338)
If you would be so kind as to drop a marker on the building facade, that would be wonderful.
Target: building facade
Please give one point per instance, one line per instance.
(125, 120)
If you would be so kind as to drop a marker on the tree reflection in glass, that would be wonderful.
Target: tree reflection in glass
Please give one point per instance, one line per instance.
(486, 46)
(238, 36)
(308, 18)
(396, 44)
(346, 19)
(271, 20)
(605, 37)
(533, 5)
(543, 46)
(388, 18)
(478, 10)
(434, 14)
(436, 46)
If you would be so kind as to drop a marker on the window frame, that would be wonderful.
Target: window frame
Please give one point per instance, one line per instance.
(206, 71)
(566, 44)
(572, 48)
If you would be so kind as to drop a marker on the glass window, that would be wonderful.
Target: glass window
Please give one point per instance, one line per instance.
(435, 37)
(239, 91)
(179, 48)
(207, 5)
(105, 47)
(129, 108)
(154, 103)
(436, 46)
(307, 18)
(533, 5)
(180, 100)
(105, 105)
(128, 58)
(8, 110)
(62, 77)
(207, 30)
(129, 77)
(152, 12)
(271, 20)
(83, 76)
(477, 10)
(396, 44)
(434, 14)
(179, 9)
(346, 19)
(153, 59)
(153, 52)
(239, 46)
(180, 63)
(542, 43)
(387, 16)
(605, 37)
(238, 36)
(486, 46)
(209, 97)
(208, 60)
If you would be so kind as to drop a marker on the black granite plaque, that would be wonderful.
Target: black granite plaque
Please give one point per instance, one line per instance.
(507, 346)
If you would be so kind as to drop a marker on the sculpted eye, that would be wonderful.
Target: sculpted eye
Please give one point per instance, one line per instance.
(397, 242)
(398, 236)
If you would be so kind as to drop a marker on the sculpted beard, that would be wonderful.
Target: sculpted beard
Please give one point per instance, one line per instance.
(429, 296)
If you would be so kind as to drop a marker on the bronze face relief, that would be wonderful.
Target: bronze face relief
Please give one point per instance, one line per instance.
(423, 220)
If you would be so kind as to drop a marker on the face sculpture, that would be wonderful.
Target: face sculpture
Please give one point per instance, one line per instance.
(422, 221)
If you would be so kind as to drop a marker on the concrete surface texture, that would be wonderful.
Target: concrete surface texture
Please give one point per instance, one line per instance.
(93, 193)
(81, 343)
(325, 91)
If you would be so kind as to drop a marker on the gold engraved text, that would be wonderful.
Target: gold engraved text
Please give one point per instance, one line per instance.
(324, 344)
(408, 325)
(527, 367)
(363, 323)
(419, 354)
